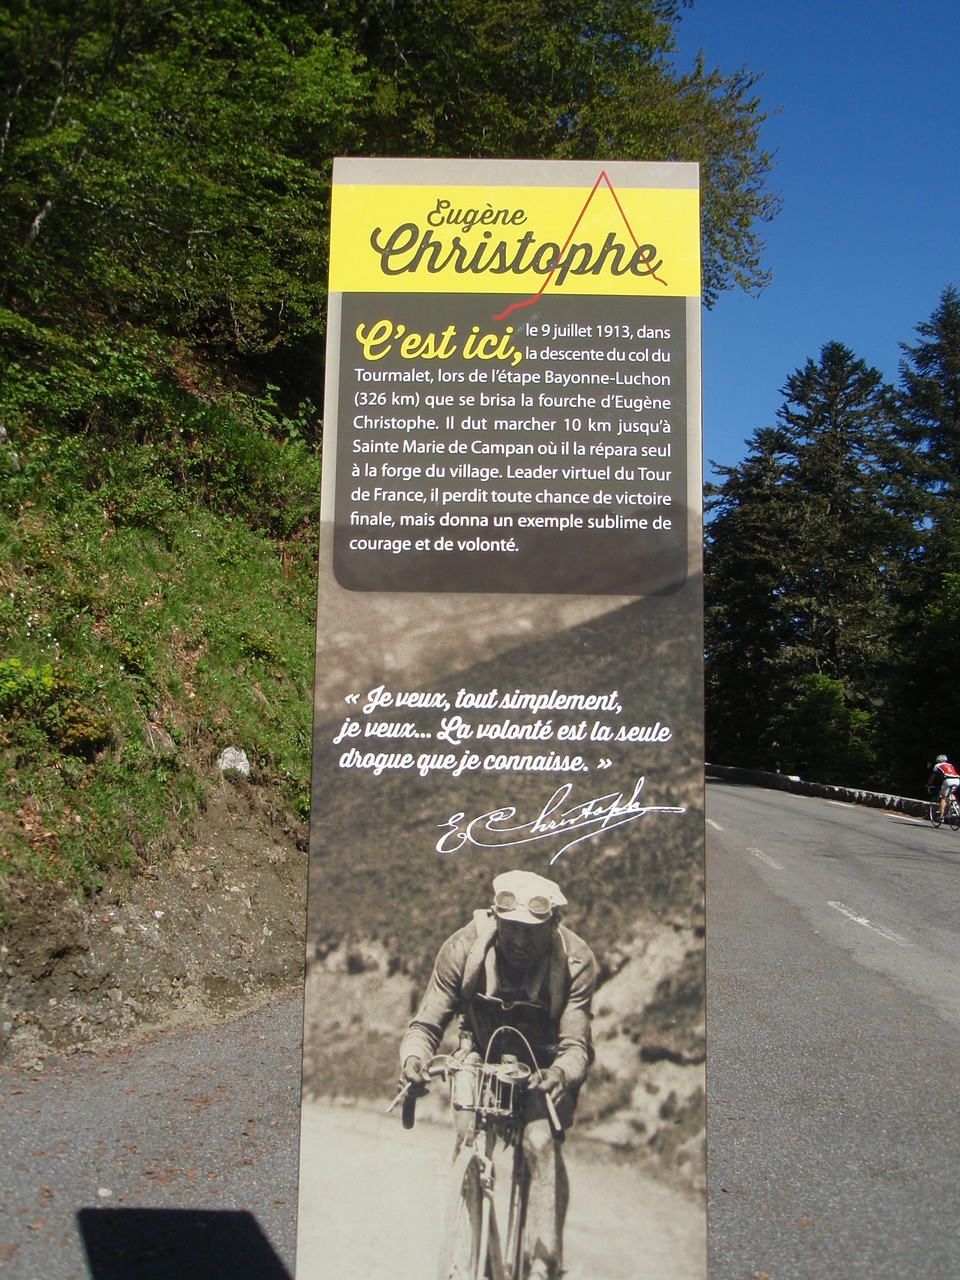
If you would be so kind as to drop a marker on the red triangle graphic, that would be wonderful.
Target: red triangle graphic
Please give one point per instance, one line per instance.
(573, 231)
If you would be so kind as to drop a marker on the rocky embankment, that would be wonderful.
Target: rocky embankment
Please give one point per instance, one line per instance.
(209, 929)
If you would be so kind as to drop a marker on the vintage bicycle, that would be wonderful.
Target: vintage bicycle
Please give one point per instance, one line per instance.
(491, 1096)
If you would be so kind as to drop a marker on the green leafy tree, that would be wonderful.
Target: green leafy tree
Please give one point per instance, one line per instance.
(170, 165)
(164, 191)
(577, 79)
(822, 735)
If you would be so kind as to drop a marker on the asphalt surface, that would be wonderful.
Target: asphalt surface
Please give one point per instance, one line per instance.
(833, 1040)
(169, 1159)
(833, 1024)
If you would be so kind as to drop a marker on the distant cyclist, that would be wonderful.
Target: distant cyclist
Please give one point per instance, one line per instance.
(946, 779)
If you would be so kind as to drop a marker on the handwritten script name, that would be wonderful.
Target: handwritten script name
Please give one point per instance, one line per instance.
(584, 820)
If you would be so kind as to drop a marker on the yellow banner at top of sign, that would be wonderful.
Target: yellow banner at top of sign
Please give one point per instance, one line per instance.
(528, 241)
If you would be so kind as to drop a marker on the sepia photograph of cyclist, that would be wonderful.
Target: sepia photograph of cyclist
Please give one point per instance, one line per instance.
(521, 987)
(392, 925)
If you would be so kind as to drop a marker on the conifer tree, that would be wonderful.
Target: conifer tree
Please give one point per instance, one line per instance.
(835, 422)
(745, 623)
(800, 573)
(928, 425)
(925, 712)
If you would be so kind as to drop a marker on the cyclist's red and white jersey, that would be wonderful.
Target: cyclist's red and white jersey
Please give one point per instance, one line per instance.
(947, 770)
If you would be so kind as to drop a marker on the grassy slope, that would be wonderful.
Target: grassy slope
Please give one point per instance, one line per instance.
(157, 587)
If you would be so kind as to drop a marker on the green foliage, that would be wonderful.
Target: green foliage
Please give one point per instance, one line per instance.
(928, 424)
(24, 689)
(802, 564)
(747, 616)
(33, 699)
(164, 193)
(924, 704)
(845, 539)
(158, 569)
(122, 426)
(171, 165)
(821, 736)
(524, 78)
(833, 573)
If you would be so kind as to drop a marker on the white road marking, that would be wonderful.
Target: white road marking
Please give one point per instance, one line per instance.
(884, 933)
(716, 825)
(765, 857)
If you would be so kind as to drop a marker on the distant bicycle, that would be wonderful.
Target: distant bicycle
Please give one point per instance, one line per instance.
(951, 811)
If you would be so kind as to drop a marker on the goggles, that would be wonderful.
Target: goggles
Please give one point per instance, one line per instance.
(539, 905)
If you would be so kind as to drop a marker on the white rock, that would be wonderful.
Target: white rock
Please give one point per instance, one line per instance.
(235, 760)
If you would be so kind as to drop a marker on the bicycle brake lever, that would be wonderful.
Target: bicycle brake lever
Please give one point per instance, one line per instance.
(555, 1125)
(401, 1095)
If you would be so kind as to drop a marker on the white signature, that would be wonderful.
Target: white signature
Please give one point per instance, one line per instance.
(588, 818)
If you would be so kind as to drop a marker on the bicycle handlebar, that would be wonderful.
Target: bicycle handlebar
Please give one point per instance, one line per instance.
(409, 1113)
(414, 1089)
(411, 1091)
(556, 1127)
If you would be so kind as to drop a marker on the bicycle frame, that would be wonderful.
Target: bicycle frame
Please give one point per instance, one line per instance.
(951, 811)
(496, 1102)
(494, 1093)
(504, 1264)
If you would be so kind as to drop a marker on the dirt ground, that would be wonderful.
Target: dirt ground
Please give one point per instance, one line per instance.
(213, 929)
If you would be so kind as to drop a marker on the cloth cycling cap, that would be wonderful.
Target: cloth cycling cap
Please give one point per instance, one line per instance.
(526, 897)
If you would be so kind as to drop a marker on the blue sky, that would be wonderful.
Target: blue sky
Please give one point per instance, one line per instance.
(868, 168)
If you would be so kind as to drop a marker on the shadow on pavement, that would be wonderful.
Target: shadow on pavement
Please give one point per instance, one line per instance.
(171, 1244)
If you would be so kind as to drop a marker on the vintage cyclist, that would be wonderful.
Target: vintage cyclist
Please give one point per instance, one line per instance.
(516, 965)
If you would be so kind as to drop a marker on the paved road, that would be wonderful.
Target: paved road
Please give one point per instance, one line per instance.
(834, 1094)
(177, 1160)
(171, 1160)
(833, 1040)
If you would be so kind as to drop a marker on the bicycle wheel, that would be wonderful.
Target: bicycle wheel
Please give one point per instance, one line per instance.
(953, 817)
(460, 1254)
(515, 1252)
(935, 815)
